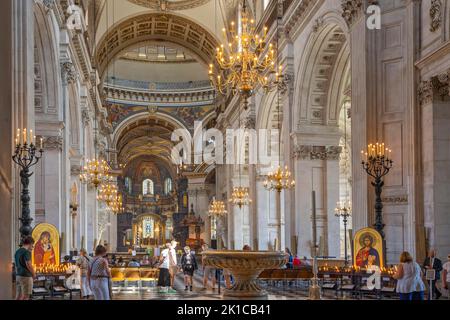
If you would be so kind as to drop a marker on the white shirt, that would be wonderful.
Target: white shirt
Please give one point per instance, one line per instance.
(165, 256)
(411, 280)
(446, 266)
(174, 257)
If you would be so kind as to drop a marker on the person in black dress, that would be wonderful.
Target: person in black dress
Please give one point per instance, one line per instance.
(189, 265)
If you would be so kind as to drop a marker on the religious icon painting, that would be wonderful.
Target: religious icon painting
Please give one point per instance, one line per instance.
(46, 246)
(368, 249)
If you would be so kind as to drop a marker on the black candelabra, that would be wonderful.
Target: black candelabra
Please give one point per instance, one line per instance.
(344, 210)
(377, 163)
(26, 155)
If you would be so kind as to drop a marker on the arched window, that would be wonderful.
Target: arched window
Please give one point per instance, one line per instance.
(128, 185)
(148, 188)
(168, 186)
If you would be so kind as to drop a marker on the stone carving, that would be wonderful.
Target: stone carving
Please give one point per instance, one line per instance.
(53, 143)
(351, 10)
(396, 199)
(318, 24)
(435, 15)
(245, 267)
(165, 5)
(250, 123)
(85, 116)
(68, 72)
(436, 87)
(75, 170)
(48, 4)
(303, 152)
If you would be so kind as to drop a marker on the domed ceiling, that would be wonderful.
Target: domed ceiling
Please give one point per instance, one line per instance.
(170, 4)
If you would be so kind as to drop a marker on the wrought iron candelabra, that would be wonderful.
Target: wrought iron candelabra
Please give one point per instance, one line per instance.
(26, 155)
(377, 163)
(344, 210)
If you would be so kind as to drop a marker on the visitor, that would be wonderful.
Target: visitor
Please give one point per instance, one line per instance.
(133, 264)
(83, 263)
(173, 265)
(431, 262)
(24, 270)
(99, 275)
(290, 263)
(305, 262)
(113, 260)
(446, 276)
(208, 272)
(409, 279)
(145, 261)
(164, 274)
(120, 262)
(188, 265)
(247, 248)
(296, 263)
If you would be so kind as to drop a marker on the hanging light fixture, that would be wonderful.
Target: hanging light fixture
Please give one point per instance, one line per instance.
(240, 197)
(217, 209)
(109, 194)
(95, 171)
(279, 179)
(246, 61)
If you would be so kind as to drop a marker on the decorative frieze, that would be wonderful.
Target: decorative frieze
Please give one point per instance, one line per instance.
(75, 170)
(53, 143)
(303, 152)
(435, 15)
(396, 200)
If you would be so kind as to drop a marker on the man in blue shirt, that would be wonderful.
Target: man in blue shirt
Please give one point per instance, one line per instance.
(24, 270)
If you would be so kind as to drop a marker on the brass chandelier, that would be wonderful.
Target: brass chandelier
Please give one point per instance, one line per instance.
(95, 172)
(240, 197)
(217, 209)
(246, 61)
(279, 180)
(109, 194)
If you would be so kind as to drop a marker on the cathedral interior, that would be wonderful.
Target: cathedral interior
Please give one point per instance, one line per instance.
(266, 124)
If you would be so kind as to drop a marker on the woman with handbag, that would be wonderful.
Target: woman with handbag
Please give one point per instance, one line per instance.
(99, 275)
(188, 265)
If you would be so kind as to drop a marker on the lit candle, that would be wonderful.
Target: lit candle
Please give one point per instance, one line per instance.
(24, 136)
(31, 136)
(41, 143)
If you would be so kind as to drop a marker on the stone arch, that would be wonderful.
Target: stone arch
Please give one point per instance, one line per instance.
(47, 70)
(319, 84)
(154, 26)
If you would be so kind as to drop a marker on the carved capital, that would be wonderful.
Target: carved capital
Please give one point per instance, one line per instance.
(68, 72)
(435, 15)
(352, 9)
(48, 4)
(250, 122)
(435, 88)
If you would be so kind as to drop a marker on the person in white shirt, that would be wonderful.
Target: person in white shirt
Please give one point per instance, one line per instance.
(446, 275)
(164, 275)
(173, 265)
(409, 279)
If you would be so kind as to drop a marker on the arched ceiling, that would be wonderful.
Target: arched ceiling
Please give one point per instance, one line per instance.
(155, 27)
(149, 137)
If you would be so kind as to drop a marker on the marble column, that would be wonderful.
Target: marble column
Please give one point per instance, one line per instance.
(435, 106)
(16, 105)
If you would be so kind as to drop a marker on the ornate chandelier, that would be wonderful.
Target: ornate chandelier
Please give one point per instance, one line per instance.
(279, 180)
(109, 194)
(246, 61)
(217, 209)
(95, 172)
(240, 197)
